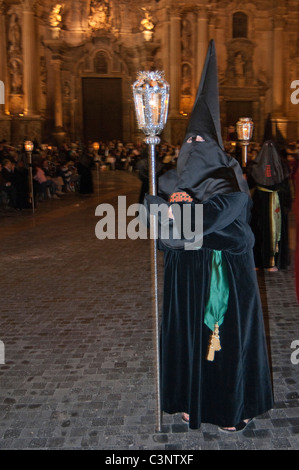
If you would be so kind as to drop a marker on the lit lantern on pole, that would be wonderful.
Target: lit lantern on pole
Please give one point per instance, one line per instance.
(96, 159)
(244, 130)
(96, 147)
(28, 145)
(151, 98)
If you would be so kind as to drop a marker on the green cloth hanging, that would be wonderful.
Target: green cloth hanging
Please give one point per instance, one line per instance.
(219, 292)
(275, 222)
(217, 303)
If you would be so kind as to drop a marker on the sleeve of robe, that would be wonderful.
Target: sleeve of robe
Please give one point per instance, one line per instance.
(218, 212)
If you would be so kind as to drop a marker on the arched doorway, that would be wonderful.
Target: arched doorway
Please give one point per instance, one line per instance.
(102, 95)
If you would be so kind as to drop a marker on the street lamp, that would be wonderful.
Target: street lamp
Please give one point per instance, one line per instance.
(97, 160)
(28, 148)
(95, 147)
(151, 98)
(244, 130)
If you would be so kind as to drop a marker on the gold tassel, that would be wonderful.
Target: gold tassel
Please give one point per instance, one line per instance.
(214, 343)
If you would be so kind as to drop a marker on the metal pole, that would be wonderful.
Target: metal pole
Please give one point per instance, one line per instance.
(153, 141)
(244, 154)
(31, 190)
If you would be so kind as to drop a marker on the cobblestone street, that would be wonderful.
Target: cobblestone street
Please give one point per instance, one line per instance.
(76, 326)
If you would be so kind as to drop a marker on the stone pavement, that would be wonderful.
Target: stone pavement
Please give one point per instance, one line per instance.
(76, 325)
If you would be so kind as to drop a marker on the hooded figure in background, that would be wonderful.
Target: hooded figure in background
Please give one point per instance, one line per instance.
(84, 167)
(272, 201)
(214, 366)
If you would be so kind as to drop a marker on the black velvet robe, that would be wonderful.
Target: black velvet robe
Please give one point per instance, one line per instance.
(237, 384)
(260, 224)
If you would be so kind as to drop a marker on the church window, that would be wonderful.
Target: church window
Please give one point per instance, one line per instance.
(240, 24)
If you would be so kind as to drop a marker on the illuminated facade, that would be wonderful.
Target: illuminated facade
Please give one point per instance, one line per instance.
(68, 68)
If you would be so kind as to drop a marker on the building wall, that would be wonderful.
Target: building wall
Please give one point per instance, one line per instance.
(47, 49)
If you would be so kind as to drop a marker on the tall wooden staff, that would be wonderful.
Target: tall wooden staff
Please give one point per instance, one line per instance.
(151, 98)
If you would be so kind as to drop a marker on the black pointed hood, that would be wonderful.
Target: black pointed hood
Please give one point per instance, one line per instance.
(267, 169)
(203, 168)
(205, 117)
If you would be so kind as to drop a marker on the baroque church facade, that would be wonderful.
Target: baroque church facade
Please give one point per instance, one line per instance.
(67, 68)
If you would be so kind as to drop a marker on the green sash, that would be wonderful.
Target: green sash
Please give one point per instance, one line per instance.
(217, 302)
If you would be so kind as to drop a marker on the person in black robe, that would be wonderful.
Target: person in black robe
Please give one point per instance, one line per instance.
(213, 355)
(22, 185)
(272, 202)
(84, 167)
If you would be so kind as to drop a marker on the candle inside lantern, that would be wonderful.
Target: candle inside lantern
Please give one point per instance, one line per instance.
(151, 97)
(244, 129)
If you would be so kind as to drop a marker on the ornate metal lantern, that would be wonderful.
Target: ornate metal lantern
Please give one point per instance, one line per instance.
(151, 98)
(244, 130)
(28, 146)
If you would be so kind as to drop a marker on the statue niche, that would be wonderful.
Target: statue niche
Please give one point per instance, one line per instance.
(14, 36)
(186, 100)
(16, 77)
(239, 71)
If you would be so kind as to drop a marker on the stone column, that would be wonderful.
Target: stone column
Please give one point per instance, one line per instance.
(29, 58)
(175, 62)
(57, 47)
(59, 133)
(3, 66)
(56, 62)
(278, 68)
(5, 120)
(202, 41)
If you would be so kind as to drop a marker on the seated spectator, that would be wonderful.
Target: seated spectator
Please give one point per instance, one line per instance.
(65, 172)
(47, 186)
(55, 183)
(40, 180)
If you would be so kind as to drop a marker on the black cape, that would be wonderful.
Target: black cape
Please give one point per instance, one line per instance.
(237, 384)
(267, 176)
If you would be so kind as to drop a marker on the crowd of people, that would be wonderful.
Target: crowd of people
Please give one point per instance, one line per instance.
(68, 168)
(59, 170)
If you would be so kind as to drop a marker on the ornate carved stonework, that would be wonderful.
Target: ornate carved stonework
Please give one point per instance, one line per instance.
(55, 18)
(15, 61)
(100, 15)
(239, 71)
(117, 38)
